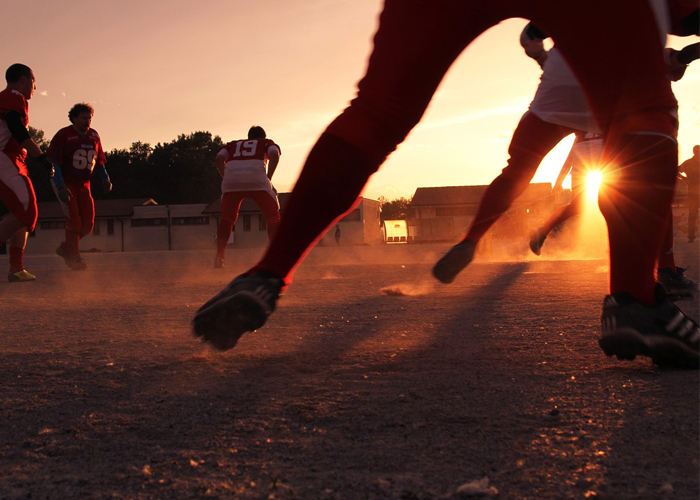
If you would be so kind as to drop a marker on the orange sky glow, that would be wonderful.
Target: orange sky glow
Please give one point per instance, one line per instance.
(154, 70)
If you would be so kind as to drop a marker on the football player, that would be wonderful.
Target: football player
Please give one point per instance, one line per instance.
(16, 189)
(76, 151)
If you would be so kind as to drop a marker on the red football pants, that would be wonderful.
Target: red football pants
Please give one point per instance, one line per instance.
(81, 215)
(416, 43)
(532, 140)
(231, 204)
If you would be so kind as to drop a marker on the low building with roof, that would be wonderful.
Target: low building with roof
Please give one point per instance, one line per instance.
(443, 214)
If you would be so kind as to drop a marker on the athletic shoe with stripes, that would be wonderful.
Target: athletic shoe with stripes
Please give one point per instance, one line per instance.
(663, 332)
(22, 275)
(243, 306)
(452, 263)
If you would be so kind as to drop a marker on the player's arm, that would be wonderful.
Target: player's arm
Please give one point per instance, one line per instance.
(274, 156)
(55, 154)
(19, 132)
(220, 159)
(102, 168)
(532, 40)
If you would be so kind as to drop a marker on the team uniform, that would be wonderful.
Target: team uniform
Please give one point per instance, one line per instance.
(77, 155)
(16, 189)
(416, 43)
(245, 176)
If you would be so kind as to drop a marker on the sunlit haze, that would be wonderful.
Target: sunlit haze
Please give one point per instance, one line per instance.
(593, 180)
(154, 70)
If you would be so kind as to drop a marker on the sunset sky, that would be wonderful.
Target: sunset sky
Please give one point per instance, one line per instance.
(154, 70)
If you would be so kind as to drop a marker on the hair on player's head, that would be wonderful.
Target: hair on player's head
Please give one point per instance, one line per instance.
(256, 132)
(17, 71)
(80, 108)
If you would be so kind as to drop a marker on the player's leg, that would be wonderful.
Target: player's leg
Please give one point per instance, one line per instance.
(565, 212)
(230, 205)
(532, 140)
(87, 211)
(632, 100)
(73, 227)
(270, 209)
(17, 193)
(414, 46)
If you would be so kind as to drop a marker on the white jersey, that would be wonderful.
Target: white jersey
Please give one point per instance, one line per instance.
(560, 99)
(246, 165)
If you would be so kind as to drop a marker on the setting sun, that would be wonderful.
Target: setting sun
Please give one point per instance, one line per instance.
(593, 180)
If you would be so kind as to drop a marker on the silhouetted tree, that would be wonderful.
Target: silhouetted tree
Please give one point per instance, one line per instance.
(395, 209)
(37, 173)
(181, 171)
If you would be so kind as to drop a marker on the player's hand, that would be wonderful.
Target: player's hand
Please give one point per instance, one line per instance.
(46, 163)
(106, 185)
(64, 194)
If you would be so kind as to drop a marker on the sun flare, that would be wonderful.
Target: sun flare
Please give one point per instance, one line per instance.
(593, 180)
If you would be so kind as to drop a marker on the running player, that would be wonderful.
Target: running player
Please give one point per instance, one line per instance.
(415, 45)
(76, 150)
(16, 189)
(558, 109)
(246, 167)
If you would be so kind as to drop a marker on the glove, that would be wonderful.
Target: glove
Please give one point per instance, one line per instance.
(46, 163)
(106, 185)
(64, 194)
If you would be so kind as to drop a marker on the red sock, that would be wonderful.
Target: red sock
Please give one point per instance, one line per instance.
(223, 233)
(16, 259)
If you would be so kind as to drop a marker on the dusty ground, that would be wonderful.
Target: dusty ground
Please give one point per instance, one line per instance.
(349, 392)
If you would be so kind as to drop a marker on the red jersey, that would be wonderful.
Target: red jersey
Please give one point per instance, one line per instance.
(246, 165)
(249, 149)
(77, 154)
(11, 100)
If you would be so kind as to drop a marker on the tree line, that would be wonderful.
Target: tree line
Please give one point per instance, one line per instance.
(178, 172)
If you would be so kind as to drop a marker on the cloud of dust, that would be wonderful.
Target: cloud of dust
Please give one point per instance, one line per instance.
(408, 289)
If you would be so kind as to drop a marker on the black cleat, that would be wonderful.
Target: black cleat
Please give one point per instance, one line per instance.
(663, 332)
(452, 263)
(537, 240)
(243, 306)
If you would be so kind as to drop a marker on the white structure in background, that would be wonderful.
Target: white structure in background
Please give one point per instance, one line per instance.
(396, 231)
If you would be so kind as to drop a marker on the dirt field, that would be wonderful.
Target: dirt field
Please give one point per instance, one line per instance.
(371, 381)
